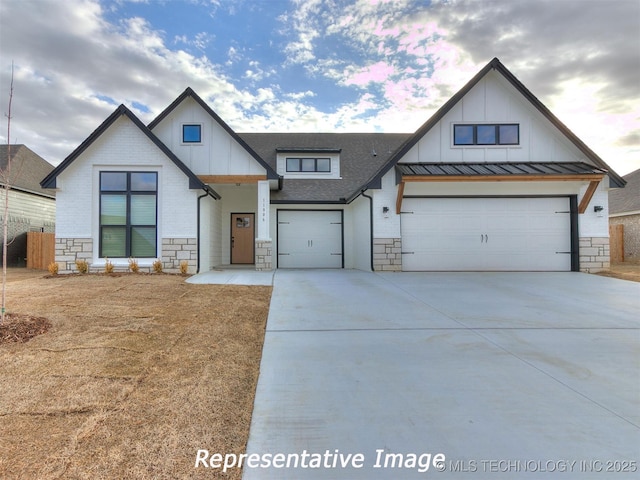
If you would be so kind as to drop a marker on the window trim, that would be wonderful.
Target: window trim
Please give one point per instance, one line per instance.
(496, 125)
(191, 142)
(128, 225)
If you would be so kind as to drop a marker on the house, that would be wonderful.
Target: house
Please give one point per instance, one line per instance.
(624, 209)
(492, 181)
(31, 207)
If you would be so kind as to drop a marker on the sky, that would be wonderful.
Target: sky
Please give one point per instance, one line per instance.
(314, 65)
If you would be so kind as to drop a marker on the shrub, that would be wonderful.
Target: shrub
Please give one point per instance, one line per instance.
(157, 266)
(133, 265)
(53, 268)
(108, 266)
(184, 267)
(82, 266)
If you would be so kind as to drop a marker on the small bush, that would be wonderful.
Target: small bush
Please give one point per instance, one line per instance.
(157, 266)
(108, 266)
(133, 265)
(184, 267)
(82, 266)
(53, 268)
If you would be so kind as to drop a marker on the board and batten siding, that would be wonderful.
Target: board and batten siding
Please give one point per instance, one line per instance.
(494, 100)
(218, 154)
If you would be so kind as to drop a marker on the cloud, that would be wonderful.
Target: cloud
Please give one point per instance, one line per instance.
(631, 139)
(386, 65)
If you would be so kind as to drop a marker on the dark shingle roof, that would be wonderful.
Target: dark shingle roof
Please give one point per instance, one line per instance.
(361, 156)
(626, 199)
(27, 169)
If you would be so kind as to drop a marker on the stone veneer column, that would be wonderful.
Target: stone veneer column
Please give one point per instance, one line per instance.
(594, 254)
(264, 255)
(176, 250)
(68, 250)
(387, 254)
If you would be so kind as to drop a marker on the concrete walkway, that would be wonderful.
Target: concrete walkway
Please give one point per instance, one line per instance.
(508, 375)
(233, 276)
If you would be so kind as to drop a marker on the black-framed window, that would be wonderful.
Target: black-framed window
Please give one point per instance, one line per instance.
(192, 133)
(486, 134)
(128, 214)
(316, 165)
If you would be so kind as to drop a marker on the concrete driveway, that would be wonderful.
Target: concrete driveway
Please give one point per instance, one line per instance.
(507, 375)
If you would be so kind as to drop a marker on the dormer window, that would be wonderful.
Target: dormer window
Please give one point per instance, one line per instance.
(308, 164)
(486, 134)
(192, 133)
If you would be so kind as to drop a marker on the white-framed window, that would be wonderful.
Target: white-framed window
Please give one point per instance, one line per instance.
(486, 134)
(191, 133)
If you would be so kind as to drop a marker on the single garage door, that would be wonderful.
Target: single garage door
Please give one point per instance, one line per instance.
(501, 234)
(310, 239)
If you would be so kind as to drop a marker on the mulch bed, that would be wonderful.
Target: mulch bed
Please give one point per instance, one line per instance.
(22, 328)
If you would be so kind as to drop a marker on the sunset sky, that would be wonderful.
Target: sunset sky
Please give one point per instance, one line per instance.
(315, 65)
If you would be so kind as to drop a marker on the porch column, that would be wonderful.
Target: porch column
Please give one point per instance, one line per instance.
(264, 245)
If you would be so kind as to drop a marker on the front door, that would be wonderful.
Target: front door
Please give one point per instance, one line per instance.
(242, 237)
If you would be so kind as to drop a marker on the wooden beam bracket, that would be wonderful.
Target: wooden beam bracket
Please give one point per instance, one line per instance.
(588, 195)
(399, 198)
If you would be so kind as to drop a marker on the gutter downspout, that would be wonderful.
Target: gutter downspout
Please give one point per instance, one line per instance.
(205, 194)
(370, 225)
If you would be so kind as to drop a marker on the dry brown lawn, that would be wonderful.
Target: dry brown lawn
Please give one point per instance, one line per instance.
(625, 271)
(136, 373)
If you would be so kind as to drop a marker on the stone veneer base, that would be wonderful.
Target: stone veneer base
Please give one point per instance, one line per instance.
(594, 254)
(387, 254)
(174, 251)
(264, 255)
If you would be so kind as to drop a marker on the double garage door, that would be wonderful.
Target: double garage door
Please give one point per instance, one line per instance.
(310, 238)
(492, 234)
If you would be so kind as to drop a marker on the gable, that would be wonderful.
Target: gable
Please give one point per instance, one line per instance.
(125, 151)
(496, 92)
(220, 150)
(492, 101)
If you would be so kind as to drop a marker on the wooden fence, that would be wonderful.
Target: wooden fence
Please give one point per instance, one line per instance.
(41, 249)
(616, 243)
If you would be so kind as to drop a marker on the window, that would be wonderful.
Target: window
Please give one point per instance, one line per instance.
(309, 165)
(128, 212)
(191, 133)
(486, 134)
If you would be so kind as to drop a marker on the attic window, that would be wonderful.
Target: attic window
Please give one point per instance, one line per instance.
(322, 165)
(486, 134)
(191, 133)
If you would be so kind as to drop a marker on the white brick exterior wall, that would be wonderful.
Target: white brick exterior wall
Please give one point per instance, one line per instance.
(120, 147)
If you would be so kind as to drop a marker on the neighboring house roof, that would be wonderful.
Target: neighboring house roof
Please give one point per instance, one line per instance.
(361, 156)
(626, 200)
(194, 182)
(495, 64)
(27, 169)
(271, 173)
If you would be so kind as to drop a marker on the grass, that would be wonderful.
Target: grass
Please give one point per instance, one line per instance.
(136, 373)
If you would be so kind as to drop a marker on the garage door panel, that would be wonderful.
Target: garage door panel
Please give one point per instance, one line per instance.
(486, 234)
(309, 239)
